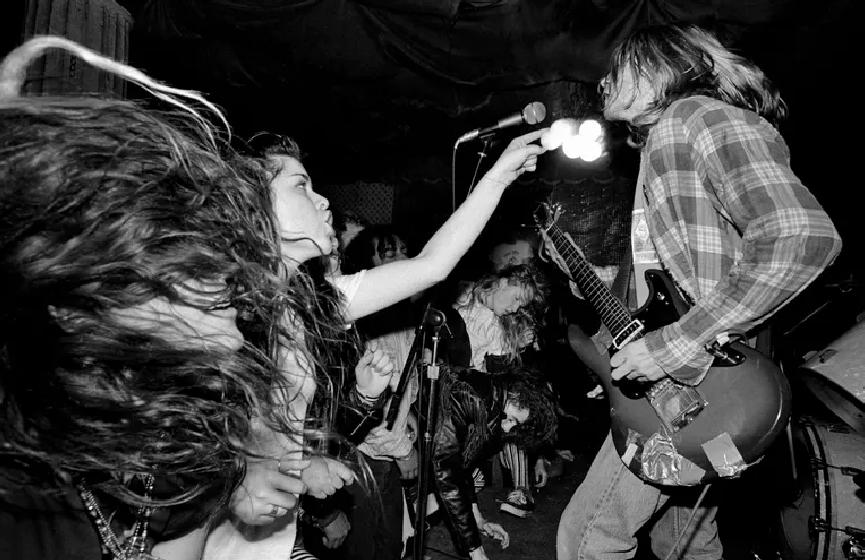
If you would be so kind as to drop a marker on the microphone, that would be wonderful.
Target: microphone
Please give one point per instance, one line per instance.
(434, 318)
(532, 114)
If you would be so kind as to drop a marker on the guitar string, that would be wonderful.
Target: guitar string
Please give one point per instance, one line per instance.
(596, 290)
(617, 318)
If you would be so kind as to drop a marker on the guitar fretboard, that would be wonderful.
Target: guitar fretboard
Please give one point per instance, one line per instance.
(613, 313)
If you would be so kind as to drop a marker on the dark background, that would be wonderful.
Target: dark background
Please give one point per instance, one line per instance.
(378, 90)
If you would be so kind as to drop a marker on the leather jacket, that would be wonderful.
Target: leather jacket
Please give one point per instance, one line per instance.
(469, 429)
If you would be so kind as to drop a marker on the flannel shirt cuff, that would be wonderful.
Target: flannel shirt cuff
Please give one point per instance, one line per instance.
(682, 358)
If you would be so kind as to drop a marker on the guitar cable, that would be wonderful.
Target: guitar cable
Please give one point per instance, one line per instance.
(688, 524)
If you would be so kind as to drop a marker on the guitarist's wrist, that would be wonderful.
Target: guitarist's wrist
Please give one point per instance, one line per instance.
(681, 358)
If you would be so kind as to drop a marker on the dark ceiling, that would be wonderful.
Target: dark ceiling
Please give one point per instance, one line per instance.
(377, 87)
(378, 90)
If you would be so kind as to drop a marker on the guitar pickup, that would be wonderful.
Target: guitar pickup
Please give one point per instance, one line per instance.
(675, 404)
(627, 334)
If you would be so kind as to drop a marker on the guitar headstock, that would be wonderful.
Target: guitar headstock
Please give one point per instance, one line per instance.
(547, 214)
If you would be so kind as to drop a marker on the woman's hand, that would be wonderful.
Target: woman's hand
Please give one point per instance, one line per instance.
(373, 371)
(325, 476)
(520, 156)
(267, 491)
(489, 529)
(336, 531)
(541, 475)
(527, 338)
(390, 443)
(497, 532)
(408, 467)
(411, 427)
(478, 554)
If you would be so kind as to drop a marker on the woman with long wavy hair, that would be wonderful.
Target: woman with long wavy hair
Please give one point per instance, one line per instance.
(141, 309)
(306, 233)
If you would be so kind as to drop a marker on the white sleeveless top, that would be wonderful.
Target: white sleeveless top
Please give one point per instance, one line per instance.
(233, 540)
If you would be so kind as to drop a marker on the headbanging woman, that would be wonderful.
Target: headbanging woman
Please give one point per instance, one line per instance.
(140, 307)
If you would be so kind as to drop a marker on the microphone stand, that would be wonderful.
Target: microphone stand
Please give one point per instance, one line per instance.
(436, 320)
(411, 360)
(486, 139)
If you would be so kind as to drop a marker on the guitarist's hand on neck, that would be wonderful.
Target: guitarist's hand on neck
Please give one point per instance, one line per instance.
(634, 363)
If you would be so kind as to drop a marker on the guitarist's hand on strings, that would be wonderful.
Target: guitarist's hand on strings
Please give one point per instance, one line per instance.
(635, 363)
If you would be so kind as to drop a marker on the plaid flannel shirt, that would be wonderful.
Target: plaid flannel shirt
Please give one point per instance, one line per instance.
(731, 223)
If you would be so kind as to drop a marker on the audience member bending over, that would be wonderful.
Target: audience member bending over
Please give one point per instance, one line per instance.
(478, 412)
(499, 327)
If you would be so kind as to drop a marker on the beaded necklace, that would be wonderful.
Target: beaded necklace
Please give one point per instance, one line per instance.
(133, 547)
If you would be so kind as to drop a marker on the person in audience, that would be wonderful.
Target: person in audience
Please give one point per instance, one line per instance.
(518, 247)
(348, 225)
(478, 413)
(140, 307)
(499, 328)
(306, 233)
(391, 454)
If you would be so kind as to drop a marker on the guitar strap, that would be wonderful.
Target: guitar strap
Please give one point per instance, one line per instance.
(642, 255)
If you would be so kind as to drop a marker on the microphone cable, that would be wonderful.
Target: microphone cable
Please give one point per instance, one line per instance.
(482, 154)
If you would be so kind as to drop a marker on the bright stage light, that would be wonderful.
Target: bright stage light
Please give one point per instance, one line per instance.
(578, 140)
(592, 150)
(591, 129)
(582, 147)
(573, 146)
(560, 131)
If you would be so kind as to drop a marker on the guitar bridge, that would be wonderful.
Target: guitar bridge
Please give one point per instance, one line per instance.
(627, 334)
(675, 404)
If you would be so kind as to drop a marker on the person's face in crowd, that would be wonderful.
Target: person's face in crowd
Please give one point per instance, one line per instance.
(213, 325)
(389, 249)
(629, 99)
(504, 255)
(513, 416)
(352, 228)
(303, 215)
(505, 298)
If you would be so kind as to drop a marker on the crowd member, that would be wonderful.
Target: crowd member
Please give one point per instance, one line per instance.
(517, 247)
(348, 225)
(478, 413)
(381, 520)
(375, 246)
(733, 225)
(306, 233)
(141, 300)
(500, 326)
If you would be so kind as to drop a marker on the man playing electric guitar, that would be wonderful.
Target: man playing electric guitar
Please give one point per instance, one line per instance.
(735, 228)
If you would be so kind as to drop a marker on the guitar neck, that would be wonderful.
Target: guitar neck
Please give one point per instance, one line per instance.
(613, 313)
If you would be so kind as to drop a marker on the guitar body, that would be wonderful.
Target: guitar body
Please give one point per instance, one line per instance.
(747, 407)
(668, 433)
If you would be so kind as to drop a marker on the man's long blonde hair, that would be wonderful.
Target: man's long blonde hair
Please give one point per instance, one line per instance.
(685, 60)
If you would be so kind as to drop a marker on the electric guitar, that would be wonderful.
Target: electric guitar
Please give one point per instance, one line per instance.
(668, 433)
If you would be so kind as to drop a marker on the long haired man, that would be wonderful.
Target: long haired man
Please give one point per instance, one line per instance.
(731, 223)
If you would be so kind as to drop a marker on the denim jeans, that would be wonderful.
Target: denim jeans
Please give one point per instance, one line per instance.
(612, 504)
